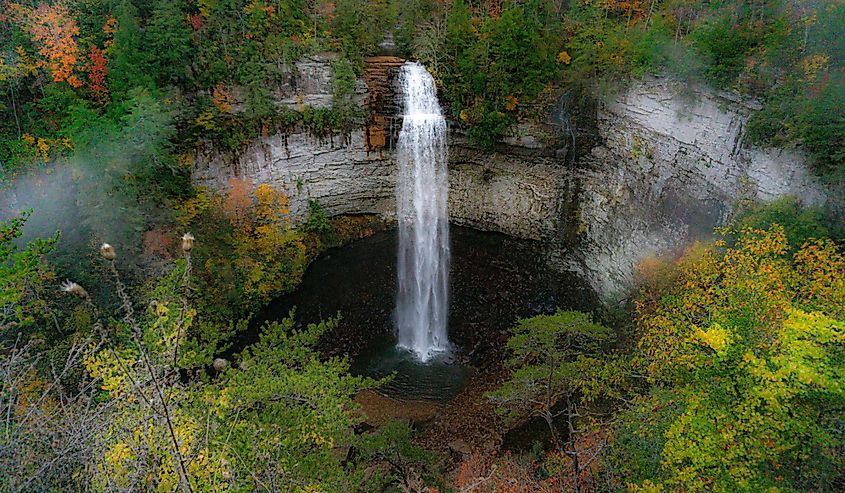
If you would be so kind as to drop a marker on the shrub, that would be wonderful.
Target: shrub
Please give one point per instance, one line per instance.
(724, 43)
(743, 357)
(799, 223)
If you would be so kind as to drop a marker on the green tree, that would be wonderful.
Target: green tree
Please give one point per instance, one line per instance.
(411, 467)
(128, 60)
(552, 356)
(359, 26)
(556, 367)
(274, 420)
(23, 273)
(493, 63)
(800, 223)
(168, 40)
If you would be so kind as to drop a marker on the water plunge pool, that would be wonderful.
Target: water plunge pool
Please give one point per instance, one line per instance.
(494, 280)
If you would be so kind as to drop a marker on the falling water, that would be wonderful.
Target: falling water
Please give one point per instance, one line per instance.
(422, 302)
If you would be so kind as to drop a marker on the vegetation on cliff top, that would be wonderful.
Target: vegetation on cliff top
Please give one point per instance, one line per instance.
(70, 65)
(498, 59)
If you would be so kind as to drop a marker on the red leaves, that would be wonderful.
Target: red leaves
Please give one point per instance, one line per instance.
(97, 72)
(158, 242)
(197, 22)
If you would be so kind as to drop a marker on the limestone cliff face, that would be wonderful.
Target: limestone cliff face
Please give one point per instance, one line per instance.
(672, 165)
(346, 174)
(494, 192)
(356, 173)
(522, 196)
(338, 172)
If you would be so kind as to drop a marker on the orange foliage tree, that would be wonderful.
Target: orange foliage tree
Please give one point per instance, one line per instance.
(53, 31)
(97, 72)
(251, 251)
(237, 204)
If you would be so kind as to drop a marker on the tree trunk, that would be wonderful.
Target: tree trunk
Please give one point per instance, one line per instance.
(648, 17)
(573, 447)
(550, 422)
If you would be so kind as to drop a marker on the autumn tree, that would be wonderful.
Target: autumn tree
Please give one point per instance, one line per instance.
(743, 356)
(253, 251)
(97, 72)
(238, 203)
(272, 254)
(54, 32)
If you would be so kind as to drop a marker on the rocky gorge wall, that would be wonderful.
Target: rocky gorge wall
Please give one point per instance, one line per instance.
(338, 172)
(493, 192)
(356, 173)
(672, 164)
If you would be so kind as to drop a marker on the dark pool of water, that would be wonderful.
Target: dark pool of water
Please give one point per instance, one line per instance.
(438, 379)
(494, 280)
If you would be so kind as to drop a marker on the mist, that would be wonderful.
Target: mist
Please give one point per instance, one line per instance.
(105, 190)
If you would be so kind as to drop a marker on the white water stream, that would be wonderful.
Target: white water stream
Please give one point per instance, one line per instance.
(422, 301)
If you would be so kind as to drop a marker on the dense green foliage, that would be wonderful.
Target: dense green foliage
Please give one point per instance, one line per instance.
(497, 61)
(67, 67)
(493, 63)
(799, 223)
(23, 274)
(133, 402)
(552, 359)
(734, 382)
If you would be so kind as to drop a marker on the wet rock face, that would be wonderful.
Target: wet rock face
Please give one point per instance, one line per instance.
(492, 192)
(346, 174)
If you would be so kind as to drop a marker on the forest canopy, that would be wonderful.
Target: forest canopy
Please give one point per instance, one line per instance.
(66, 66)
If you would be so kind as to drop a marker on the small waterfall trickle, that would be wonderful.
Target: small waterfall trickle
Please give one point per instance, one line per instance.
(422, 301)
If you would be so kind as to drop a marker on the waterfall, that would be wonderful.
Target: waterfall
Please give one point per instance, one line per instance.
(422, 188)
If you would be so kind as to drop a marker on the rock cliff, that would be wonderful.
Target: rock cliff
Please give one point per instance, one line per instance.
(671, 165)
(338, 172)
